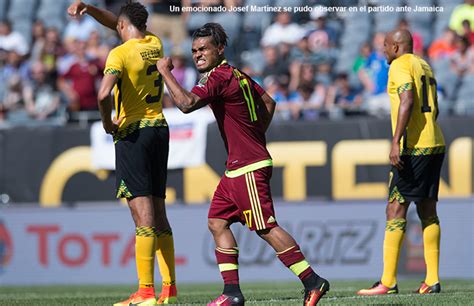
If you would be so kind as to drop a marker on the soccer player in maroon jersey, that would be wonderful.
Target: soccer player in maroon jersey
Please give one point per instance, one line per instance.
(243, 111)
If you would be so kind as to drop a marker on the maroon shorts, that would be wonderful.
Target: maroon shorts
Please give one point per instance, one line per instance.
(246, 199)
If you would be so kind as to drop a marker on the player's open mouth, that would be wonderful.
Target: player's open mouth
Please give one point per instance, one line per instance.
(200, 62)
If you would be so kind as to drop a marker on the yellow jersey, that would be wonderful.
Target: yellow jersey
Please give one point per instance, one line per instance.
(139, 89)
(423, 135)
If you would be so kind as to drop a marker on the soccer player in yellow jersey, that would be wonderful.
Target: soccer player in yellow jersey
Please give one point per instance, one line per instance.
(416, 156)
(141, 139)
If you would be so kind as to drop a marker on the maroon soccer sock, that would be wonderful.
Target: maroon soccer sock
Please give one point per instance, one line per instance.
(294, 260)
(227, 259)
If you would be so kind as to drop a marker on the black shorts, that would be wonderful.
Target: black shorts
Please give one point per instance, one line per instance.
(418, 180)
(141, 162)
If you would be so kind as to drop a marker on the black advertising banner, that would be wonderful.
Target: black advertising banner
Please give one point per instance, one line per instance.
(324, 160)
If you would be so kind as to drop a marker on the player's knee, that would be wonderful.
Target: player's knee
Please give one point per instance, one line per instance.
(216, 225)
(395, 210)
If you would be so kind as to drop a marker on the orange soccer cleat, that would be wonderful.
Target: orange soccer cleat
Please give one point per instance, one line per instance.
(312, 297)
(377, 289)
(139, 298)
(425, 289)
(169, 295)
(228, 300)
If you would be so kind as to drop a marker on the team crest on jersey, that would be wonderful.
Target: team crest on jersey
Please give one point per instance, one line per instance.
(203, 80)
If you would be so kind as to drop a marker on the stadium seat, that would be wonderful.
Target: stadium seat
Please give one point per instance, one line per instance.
(256, 21)
(464, 102)
(442, 19)
(3, 9)
(449, 2)
(24, 10)
(53, 13)
(446, 79)
(386, 22)
(288, 3)
(196, 20)
(230, 22)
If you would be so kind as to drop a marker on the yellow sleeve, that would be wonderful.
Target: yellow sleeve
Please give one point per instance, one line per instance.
(402, 76)
(114, 64)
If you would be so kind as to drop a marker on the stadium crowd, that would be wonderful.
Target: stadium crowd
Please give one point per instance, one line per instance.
(315, 64)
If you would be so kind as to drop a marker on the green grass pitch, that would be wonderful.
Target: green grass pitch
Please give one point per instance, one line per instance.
(454, 292)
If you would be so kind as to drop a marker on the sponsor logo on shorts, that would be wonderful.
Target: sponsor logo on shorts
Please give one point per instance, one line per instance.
(271, 220)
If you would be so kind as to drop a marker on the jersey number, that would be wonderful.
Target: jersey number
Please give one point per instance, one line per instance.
(425, 108)
(158, 84)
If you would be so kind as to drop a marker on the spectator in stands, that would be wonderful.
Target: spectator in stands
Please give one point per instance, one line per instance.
(15, 65)
(302, 53)
(303, 74)
(374, 78)
(68, 57)
(186, 76)
(342, 95)
(41, 97)
(97, 48)
(282, 31)
(467, 31)
(14, 102)
(324, 73)
(78, 83)
(462, 12)
(10, 40)
(52, 50)
(273, 63)
(38, 35)
(462, 61)
(444, 46)
(277, 88)
(308, 101)
(417, 39)
(166, 24)
(320, 36)
(361, 60)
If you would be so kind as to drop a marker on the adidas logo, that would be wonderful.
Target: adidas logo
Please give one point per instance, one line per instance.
(271, 220)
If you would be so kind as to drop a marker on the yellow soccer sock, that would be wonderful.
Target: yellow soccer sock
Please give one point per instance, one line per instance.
(144, 255)
(431, 237)
(165, 257)
(394, 233)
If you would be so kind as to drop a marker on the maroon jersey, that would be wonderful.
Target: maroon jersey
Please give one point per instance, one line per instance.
(233, 97)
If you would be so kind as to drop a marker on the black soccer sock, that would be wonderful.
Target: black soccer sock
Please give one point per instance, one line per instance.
(232, 289)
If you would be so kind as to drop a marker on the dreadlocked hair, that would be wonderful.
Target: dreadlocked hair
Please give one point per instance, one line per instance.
(136, 13)
(215, 30)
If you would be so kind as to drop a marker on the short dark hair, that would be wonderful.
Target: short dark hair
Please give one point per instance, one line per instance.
(215, 30)
(136, 13)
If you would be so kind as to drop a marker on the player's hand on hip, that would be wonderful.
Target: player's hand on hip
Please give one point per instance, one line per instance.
(395, 156)
(76, 9)
(112, 126)
(164, 64)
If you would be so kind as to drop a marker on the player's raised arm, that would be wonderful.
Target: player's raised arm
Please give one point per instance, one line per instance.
(186, 101)
(105, 17)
